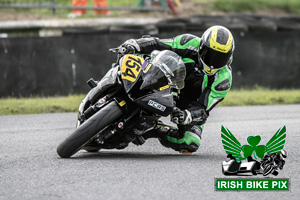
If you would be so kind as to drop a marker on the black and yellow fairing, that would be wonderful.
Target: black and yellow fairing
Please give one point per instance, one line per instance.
(130, 70)
(149, 87)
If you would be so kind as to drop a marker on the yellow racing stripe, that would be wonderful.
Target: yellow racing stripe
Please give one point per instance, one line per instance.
(217, 46)
(122, 103)
(164, 87)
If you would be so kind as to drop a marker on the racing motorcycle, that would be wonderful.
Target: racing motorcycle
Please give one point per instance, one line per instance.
(127, 102)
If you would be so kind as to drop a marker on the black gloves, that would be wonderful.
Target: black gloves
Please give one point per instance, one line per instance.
(186, 117)
(130, 46)
(127, 49)
(181, 117)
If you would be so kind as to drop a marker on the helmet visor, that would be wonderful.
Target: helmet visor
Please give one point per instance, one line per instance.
(213, 58)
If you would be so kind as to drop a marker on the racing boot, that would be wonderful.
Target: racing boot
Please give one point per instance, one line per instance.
(185, 140)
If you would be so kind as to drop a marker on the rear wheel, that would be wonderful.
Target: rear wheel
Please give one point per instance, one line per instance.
(89, 129)
(92, 150)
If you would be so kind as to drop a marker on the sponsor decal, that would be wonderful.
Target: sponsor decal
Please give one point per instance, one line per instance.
(156, 105)
(121, 125)
(122, 103)
(102, 100)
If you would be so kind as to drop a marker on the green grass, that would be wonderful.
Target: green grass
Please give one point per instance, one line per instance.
(258, 96)
(288, 6)
(11, 106)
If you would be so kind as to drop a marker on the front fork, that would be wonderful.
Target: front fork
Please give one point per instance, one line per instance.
(124, 131)
(129, 129)
(97, 106)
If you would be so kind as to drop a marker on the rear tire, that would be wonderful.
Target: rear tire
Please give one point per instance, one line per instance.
(104, 117)
(93, 151)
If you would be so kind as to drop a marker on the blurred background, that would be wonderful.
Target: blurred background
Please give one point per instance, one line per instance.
(52, 47)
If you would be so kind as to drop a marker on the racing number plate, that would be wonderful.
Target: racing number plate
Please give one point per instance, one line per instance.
(131, 67)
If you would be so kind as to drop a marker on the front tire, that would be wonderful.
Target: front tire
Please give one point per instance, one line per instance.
(104, 117)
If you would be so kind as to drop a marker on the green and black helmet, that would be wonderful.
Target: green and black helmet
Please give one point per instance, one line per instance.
(216, 49)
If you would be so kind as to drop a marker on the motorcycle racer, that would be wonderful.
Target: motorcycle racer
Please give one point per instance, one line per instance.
(272, 162)
(208, 80)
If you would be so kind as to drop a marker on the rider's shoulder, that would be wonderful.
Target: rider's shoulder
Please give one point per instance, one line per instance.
(225, 71)
(223, 80)
(187, 40)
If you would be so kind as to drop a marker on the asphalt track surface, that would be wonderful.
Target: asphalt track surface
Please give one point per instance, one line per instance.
(31, 169)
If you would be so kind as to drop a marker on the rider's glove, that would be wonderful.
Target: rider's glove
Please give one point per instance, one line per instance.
(127, 49)
(130, 46)
(182, 117)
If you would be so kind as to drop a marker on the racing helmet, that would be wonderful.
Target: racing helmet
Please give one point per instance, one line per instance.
(283, 154)
(216, 49)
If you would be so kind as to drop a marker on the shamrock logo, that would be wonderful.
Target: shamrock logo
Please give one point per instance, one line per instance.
(233, 146)
(258, 151)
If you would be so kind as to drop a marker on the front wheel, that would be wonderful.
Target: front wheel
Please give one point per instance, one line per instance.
(82, 135)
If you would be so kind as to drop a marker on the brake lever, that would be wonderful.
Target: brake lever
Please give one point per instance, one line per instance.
(120, 50)
(114, 50)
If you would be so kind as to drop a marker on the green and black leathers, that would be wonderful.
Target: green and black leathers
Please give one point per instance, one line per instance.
(201, 93)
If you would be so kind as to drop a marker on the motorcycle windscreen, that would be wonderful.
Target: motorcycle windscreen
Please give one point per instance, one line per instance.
(172, 66)
(166, 68)
(153, 79)
(130, 70)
